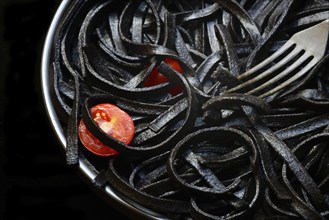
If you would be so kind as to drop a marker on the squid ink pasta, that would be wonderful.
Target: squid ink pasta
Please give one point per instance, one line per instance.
(140, 88)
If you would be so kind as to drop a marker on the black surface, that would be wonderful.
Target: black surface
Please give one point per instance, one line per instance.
(35, 182)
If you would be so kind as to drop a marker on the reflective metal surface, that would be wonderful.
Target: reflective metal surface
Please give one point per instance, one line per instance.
(125, 205)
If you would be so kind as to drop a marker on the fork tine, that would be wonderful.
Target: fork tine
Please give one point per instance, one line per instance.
(314, 39)
(303, 42)
(312, 49)
(290, 80)
(271, 70)
(282, 74)
(268, 60)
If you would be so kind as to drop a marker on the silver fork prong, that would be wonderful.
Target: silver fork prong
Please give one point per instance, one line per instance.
(295, 77)
(312, 41)
(312, 49)
(272, 69)
(282, 74)
(267, 61)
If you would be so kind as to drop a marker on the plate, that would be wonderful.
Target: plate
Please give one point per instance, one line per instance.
(136, 46)
(115, 199)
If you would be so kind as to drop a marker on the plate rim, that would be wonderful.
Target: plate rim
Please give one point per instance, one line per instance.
(123, 204)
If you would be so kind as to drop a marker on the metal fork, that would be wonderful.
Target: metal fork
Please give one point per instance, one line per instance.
(296, 57)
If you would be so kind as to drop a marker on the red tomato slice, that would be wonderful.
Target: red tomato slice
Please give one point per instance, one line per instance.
(156, 78)
(113, 121)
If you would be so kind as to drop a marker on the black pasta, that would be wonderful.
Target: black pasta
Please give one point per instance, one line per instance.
(201, 153)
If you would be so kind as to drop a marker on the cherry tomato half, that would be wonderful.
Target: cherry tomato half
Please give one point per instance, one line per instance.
(113, 121)
(156, 78)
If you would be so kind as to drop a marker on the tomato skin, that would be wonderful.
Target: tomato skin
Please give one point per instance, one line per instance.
(93, 144)
(156, 78)
(114, 122)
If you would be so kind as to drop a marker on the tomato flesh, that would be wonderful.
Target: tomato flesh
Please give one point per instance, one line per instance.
(156, 78)
(113, 121)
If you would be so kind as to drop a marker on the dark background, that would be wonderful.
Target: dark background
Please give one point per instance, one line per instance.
(35, 182)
